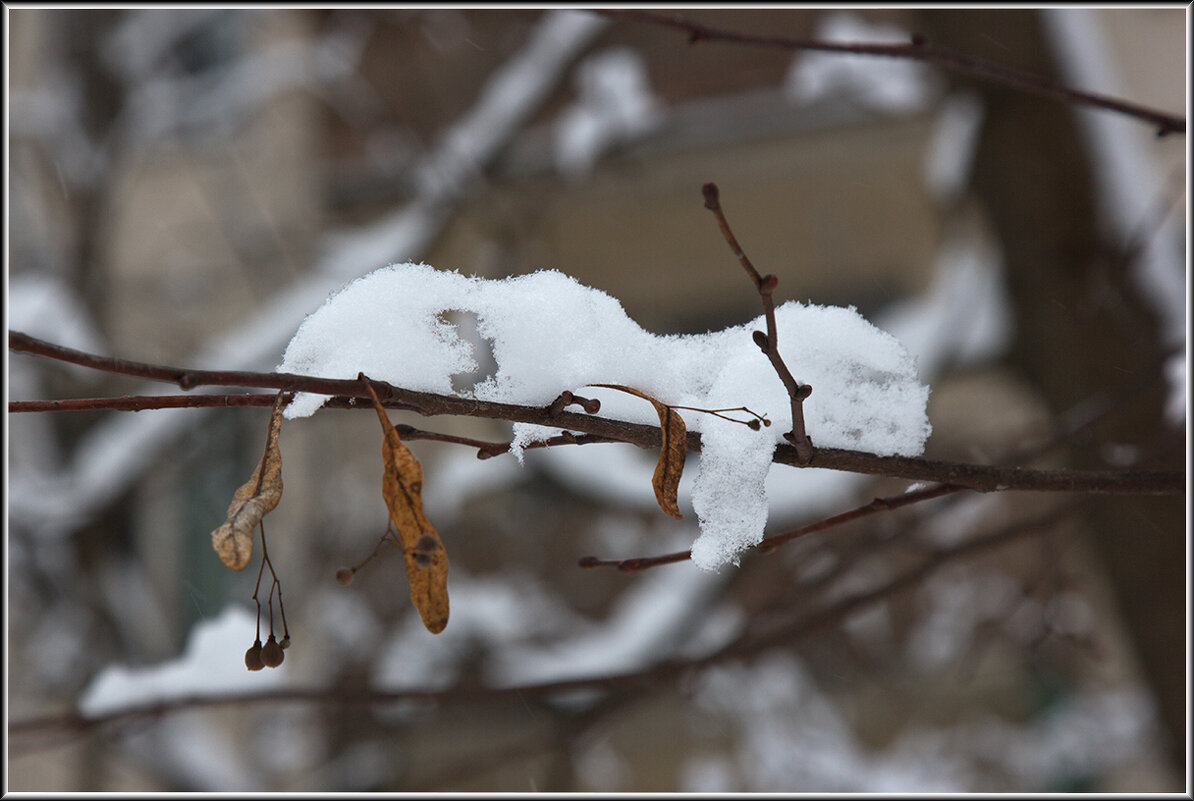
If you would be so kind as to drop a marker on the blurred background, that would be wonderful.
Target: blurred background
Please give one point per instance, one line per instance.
(185, 185)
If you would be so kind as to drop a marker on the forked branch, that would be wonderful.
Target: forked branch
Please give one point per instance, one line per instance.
(769, 342)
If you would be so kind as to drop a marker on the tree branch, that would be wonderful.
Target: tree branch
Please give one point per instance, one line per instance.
(984, 478)
(918, 50)
(768, 543)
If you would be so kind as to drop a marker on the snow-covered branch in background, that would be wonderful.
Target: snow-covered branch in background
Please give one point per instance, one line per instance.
(615, 105)
(920, 50)
(901, 87)
(112, 455)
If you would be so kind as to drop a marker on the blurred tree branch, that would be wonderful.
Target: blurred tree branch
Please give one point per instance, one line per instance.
(744, 646)
(918, 49)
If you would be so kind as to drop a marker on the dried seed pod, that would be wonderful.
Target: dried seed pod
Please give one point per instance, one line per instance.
(271, 654)
(285, 642)
(253, 658)
(344, 575)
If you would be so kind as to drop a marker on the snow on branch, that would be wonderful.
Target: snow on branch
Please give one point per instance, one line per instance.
(918, 49)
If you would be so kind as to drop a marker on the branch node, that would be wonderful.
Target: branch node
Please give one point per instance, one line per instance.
(566, 398)
(558, 405)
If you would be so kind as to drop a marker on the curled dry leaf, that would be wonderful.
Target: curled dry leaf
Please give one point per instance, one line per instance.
(422, 550)
(672, 452)
(233, 541)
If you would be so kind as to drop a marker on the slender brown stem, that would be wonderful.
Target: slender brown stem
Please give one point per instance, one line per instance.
(920, 50)
(877, 505)
(984, 478)
(765, 285)
(140, 403)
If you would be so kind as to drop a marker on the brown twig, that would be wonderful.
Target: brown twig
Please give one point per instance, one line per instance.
(919, 50)
(877, 505)
(984, 478)
(769, 342)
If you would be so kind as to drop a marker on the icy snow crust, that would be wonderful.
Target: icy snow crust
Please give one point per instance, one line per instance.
(549, 333)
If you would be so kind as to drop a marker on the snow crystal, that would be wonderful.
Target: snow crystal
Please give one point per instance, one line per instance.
(549, 333)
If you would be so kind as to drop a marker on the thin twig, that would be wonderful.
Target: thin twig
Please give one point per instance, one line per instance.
(920, 50)
(984, 478)
(768, 543)
(768, 343)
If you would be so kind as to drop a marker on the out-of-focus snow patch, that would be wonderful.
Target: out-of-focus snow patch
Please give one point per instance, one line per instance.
(507, 97)
(198, 752)
(638, 631)
(958, 601)
(1086, 735)
(601, 767)
(487, 613)
(615, 105)
(212, 663)
(460, 476)
(887, 85)
(42, 306)
(707, 773)
(965, 316)
(794, 739)
(550, 333)
(1175, 403)
(950, 151)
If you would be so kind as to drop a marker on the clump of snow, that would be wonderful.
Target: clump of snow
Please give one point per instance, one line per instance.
(549, 333)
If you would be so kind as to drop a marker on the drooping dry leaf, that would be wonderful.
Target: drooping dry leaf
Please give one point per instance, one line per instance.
(233, 541)
(422, 551)
(674, 449)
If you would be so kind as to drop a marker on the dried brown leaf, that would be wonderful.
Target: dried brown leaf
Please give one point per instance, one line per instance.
(422, 550)
(672, 452)
(233, 541)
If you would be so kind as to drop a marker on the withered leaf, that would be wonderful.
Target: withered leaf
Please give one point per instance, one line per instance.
(233, 541)
(674, 449)
(422, 550)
